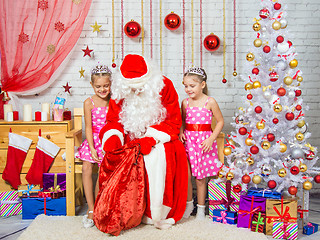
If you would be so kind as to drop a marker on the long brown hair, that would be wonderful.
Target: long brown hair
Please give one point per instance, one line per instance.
(200, 79)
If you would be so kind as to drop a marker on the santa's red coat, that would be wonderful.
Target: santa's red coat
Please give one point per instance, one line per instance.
(175, 166)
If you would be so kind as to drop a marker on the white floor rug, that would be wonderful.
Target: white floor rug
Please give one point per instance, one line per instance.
(45, 227)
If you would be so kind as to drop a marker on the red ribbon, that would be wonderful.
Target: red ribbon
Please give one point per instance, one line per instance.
(284, 216)
(230, 145)
(300, 115)
(251, 212)
(250, 134)
(301, 211)
(44, 195)
(198, 127)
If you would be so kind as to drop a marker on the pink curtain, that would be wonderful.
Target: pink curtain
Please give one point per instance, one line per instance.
(35, 37)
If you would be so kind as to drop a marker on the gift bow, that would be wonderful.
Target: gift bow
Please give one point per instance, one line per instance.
(301, 211)
(29, 189)
(284, 229)
(223, 217)
(283, 216)
(54, 189)
(265, 190)
(259, 221)
(311, 225)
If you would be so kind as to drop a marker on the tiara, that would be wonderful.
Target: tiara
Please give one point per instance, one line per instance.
(100, 69)
(197, 71)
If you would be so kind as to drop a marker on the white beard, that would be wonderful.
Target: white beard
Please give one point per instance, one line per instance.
(141, 107)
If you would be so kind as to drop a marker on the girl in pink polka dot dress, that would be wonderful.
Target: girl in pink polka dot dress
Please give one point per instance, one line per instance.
(90, 152)
(198, 137)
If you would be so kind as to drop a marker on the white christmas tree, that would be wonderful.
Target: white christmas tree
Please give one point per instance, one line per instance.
(270, 141)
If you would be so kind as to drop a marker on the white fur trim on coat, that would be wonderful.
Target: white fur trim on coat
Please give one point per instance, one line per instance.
(158, 135)
(110, 133)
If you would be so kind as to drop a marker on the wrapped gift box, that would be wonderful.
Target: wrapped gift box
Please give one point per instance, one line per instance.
(258, 222)
(284, 210)
(10, 204)
(218, 198)
(310, 228)
(32, 207)
(261, 192)
(223, 216)
(54, 180)
(282, 230)
(248, 206)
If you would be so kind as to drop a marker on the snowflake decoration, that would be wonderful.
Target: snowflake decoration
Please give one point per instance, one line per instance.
(76, 1)
(43, 4)
(51, 48)
(23, 37)
(59, 26)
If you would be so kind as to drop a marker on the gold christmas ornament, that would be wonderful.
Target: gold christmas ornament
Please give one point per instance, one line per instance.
(265, 145)
(221, 174)
(293, 63)
(301, 123)
(276, 25)
(234, 73)
(299, 79)
(256, 84)
(282, 172)
(250, 57)
(227, 151)
(250, 161)
(248, 142)
(283, 147)
(260, 125)
(232, 142)
(299, 136)
(229, 176)
(277, 108)
(288, 80)
(257, 42)
(303, 168)
(256, 179)
(256, 26)
(307, 185)
(248, 86)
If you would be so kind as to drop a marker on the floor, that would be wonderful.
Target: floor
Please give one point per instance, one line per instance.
(12, 227)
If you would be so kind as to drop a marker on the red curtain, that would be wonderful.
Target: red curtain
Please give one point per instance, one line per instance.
(35, 38)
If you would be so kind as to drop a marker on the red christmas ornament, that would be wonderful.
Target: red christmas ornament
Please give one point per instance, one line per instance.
(275, 120)
(277, 6)
(254, 149)
(237, 188)
(172, 21)
(246, 179)
(258, 109)
(249, 96)
(317, 178)
(280, 39)
(309, 156)
(290, 43)
(298, 107)
(293, 190)
(255, 71)
(281, 91)
(242, 131)
(289, 116)
(114, 65)
(272, 184)
(270, 137)
(273, 76)
(132, 29)
(211, 42)
(264, 13)
(224, 80)
(266, 49)
(294, 170)
(298, 92)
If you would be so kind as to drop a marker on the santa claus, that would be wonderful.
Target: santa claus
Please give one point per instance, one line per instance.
(144, 109)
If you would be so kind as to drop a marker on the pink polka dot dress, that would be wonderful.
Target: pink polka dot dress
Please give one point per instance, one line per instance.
(98, 115)
(198, 128)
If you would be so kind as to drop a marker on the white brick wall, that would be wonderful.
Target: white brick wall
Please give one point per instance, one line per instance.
(303, 24)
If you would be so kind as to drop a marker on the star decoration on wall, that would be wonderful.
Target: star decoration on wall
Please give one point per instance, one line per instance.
(43, 4)
(67, 88)
(51, 48)
(82, 72)
(96, 27)
(59, 26)
(87, 51)
(23, 37)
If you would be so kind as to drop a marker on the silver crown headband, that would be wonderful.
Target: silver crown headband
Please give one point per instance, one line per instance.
(100, 69)
(197, 71)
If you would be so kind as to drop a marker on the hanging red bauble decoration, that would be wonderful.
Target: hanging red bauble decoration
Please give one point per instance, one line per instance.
(266, 49)
(309, 156)
(298, 107)
(258, 109)
(237, 188)
(249, 96)
(132, 29)
(211, 42)
(293, 190)
(281, 91)
(273, 76)
(289, 116)
(255, 71)
(264, 13)
(242, 131)
(272, 184)
(277, 6)
(280, 39)
(113, 65)
(298, 92)
(246, 179)
(224, 80)
(275, 120)
(172, 21)
(317, 178)
(290, 43)
(294, 170)
(254, 149)
(270, 137)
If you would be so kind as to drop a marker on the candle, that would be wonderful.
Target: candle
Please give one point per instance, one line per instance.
(44, 116)
(45, 107)
(37, 116)
(15, 115)
(6, 108)
(27, 112)
(67, 115)
(10, 116)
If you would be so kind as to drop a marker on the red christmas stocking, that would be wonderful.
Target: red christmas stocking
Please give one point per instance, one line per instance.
(17, 151)
(44, 155)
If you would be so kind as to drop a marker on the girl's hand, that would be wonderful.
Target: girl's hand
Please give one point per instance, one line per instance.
(182, 137)
(94, 155)
(206, 145)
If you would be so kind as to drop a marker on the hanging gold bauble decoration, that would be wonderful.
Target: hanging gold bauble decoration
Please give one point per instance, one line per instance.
(265, 145)
(307, 185)
(277, 108)
(301, 123)
(283, 147)
(229, 176)
(303, 167)
(256, 26)
(248, 86)
(299, 136)
(256, 84)
(256, 179)
(260, 125)
(293, 63)
(257, 42)
(282, 172)
(299, 79)
(234, 73)
(248, 142)
(276, 25)
(232, 142)
(250, 161)
(288, 80)
(250, 57)
(227, 151)
(221, 174)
